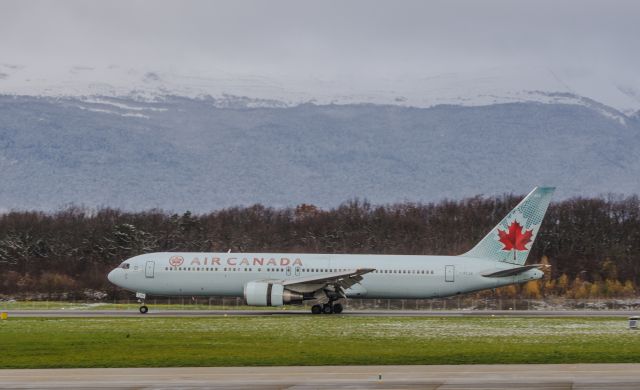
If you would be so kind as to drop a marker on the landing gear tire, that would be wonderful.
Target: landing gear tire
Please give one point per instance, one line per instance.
(143, 309)
(337, 308)
(316, 309)
(327, 309)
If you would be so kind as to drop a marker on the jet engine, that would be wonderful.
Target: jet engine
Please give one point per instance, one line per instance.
(269, 294)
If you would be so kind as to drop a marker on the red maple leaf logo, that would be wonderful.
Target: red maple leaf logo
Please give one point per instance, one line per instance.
(176, 261)
(514, 238)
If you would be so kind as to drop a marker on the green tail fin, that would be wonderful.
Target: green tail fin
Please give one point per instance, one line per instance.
(511, 240)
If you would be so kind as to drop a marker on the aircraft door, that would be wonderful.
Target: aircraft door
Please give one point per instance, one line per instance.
(288, 271)
(449, 272)
(148, 269)
(297, 271)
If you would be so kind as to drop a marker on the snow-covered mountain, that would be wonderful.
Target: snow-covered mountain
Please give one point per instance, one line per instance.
(481, 87)
(142, 139)
(184, 153)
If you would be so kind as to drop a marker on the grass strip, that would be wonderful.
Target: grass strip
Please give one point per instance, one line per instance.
(312, 340)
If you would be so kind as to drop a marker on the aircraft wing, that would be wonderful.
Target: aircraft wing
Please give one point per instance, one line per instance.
(336, 282)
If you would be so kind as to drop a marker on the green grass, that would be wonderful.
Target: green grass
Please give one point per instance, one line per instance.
(311, 340)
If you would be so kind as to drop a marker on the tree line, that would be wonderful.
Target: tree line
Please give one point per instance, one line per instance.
(592, 244)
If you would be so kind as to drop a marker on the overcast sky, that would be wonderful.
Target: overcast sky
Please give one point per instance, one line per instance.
(322, 38)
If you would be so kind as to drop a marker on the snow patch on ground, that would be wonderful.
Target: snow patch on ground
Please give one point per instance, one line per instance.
(97, 100)
(105, 111)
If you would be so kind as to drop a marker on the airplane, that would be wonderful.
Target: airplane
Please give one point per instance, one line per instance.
(325, 280)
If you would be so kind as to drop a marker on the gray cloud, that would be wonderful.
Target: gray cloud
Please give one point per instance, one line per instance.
(322, 38)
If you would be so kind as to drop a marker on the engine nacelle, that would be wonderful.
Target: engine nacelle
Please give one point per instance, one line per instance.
(269, 294)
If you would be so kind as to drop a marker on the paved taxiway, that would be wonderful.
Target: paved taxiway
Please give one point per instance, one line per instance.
(517, 376)
(368, 313)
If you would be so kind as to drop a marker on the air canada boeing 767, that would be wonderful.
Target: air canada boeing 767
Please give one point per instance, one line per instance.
(323, 280)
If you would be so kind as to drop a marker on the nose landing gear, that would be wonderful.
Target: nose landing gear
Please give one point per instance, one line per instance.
(141, 297)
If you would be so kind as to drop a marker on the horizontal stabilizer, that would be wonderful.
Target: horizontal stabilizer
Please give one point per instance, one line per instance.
(510, 271)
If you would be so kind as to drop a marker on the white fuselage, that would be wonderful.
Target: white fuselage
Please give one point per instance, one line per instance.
(394, 276)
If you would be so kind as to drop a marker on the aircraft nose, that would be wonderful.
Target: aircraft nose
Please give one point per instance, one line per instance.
(112, 276)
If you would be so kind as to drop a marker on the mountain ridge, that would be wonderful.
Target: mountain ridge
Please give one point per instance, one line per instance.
(483, 86)
(187, 154)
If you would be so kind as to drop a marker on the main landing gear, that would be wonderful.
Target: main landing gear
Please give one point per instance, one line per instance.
(144, 309)
(327, 308)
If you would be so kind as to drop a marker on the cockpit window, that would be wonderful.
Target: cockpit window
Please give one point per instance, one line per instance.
(124, 265)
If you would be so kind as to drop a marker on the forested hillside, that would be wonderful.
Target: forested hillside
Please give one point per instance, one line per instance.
(592, 244)
(201, 154)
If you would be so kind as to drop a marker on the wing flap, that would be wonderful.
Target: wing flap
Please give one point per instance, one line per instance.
(344, 279)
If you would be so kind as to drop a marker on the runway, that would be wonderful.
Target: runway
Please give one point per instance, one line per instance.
(356, 313)
(561, 376)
